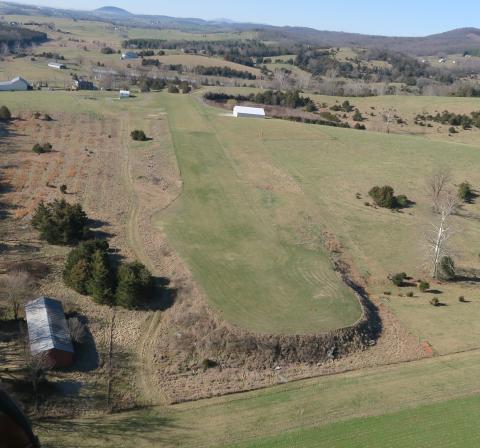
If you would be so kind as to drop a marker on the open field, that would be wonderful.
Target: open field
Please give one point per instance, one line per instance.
(250, 244)
(306, 408)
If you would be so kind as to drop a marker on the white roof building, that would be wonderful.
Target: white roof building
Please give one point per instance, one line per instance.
(57, 65)
(124, 93)
(15, 84)
(129, 55)
(248, 112)
(47, 326)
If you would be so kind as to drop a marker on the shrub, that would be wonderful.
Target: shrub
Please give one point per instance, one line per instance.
(461, 299)
(447, 268)
(107, 50)
(388, 293)
(410, 294)
(424, 286)
(465, 192)
(47, 117)
(435, 302)
(401, 201)
(5, 114)
(357, 116)
(63, 189)
(399, 279)
(172, 88)
(42, 148)
(360, 127)
(452, 130)
(383, 196)
(138, 135)
(135, 285)
(61, 223)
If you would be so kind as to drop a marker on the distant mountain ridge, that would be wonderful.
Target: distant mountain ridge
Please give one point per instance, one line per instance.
(455, 41)
(112, 11)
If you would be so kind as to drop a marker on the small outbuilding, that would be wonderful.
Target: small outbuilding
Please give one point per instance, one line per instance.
(81, 84)
(124, 93)
(57, 65)
(15, 85)
(48, 331)
(129, 55)
(248, 112)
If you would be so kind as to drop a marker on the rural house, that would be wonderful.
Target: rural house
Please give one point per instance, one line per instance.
(14, 85)
(48, 331)
(248, 112)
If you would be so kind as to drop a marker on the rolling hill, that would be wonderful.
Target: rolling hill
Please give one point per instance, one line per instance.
(454, 41)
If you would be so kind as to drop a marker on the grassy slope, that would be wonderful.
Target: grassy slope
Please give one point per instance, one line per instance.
(239, 239)
(449, 424)
(300, 406)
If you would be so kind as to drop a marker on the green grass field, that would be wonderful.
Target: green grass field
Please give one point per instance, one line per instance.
(239, 234)
(362, 408)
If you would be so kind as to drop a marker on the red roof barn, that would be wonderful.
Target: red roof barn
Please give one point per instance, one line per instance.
(48, 331)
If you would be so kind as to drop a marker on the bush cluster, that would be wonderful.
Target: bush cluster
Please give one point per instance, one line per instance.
(447, 268)
(90, 271)
(42, 148)
(61, 223)
(399, 279)
(465, 192)
(385, 197)
(138, 135)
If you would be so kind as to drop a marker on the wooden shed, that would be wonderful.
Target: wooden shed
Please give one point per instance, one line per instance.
(48, 331)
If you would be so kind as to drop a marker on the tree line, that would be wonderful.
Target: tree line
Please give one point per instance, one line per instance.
(291, 99)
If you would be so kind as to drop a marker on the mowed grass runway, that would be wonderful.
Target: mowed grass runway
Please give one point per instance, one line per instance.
(244, 243)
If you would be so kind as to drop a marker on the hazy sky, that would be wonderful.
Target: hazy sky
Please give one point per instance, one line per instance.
(406, 17)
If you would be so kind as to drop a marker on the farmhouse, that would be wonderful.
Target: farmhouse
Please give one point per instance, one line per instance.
(15, 84)
(57, 65)
(48, 331)
(129, 55)
(248, 112)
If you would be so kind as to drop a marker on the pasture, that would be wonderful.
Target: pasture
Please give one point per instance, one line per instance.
(286, 183)
(343, 410)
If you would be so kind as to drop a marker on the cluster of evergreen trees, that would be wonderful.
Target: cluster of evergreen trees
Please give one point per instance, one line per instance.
(291, 99)
(61, 223)
(89, 270)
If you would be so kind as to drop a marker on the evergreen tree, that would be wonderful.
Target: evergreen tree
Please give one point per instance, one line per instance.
(99, 285)
(135, 285)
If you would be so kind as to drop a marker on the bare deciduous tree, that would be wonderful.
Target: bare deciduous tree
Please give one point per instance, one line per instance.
(281, 79)
(77, 330)
(437, 186)
(19, 287)
(436, 239)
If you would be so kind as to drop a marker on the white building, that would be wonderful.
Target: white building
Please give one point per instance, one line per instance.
(124, 93)
(248, 112)
(15, 84)
(129, 55)
(57, 65)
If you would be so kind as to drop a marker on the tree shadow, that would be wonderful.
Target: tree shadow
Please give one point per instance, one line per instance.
(434, 291)
(86, 357)
(163, 296)
(145, 426)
